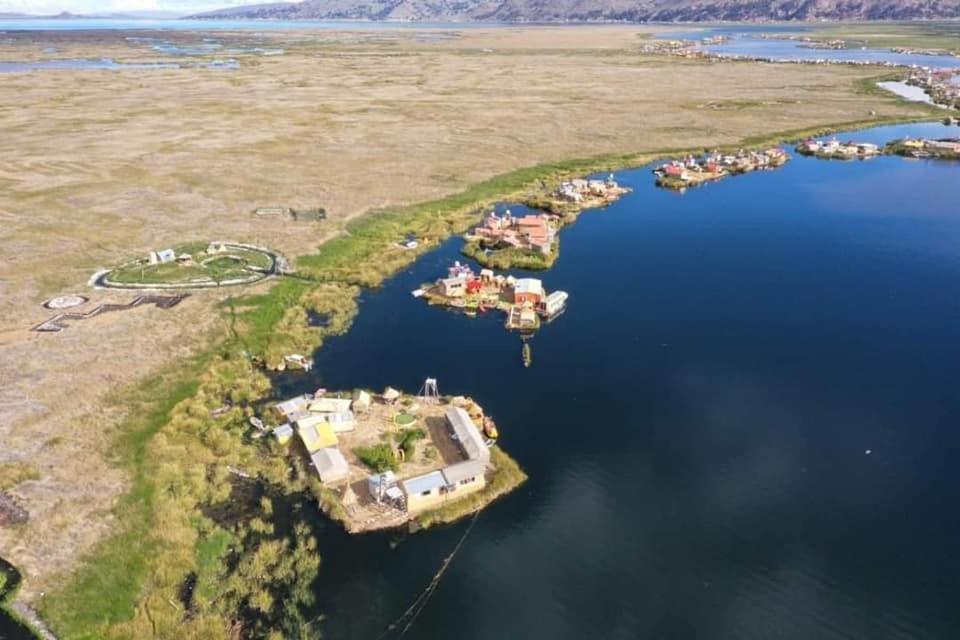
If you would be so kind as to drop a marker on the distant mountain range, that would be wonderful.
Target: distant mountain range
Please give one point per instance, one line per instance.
(596, 10)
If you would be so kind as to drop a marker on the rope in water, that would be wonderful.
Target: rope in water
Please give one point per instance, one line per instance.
(420, 603)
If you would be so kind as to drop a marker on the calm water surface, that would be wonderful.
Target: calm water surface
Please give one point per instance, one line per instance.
(92, 24)
(745, 425)
(746, 42)
(103, 63)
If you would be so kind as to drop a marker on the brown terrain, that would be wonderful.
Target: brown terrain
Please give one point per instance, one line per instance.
(619, 10)
(98, 167)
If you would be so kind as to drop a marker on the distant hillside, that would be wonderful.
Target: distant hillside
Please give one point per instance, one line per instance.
(597, 10)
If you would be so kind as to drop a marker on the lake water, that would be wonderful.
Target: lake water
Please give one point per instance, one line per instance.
(744, 426)
(745, 41)
(906, 91)
(95, 24)
(104, 63)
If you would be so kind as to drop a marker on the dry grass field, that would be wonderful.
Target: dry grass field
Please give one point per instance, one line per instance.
(97, 167)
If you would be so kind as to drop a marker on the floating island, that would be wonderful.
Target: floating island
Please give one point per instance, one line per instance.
(393, 459)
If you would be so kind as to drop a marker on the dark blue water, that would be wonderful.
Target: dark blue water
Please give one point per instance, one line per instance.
(745, 425)
(10, 628)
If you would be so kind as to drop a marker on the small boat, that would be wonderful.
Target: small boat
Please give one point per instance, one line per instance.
(490, 428)
(527, 354)
(417, 293)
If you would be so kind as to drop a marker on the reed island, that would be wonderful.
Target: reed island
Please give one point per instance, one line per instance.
(693, 170)
(506, 241)
(385, 460)
(833, 149)
(524, 301)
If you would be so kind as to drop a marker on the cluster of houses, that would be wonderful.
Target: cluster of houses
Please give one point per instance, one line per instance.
(319, 422)
(713, 166)
(947, 148)
(580, 190)
(533, 232)
(434, 488)
(523, 299)
(835, 149)
(942, 86)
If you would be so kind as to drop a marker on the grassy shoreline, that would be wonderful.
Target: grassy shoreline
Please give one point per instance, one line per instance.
(172, 446)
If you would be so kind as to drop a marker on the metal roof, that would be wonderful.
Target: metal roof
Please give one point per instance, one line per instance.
(342, 417)
(426, 482)
(464, 471)
(528, 285)
(293, 404)
(330, 405)
(468, 434)
(330, 464)
(283, 431)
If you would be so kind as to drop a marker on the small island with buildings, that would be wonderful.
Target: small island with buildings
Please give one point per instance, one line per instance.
(937, 149)
(942, 85)
(524, 300)
(529, 241)
(386, 460)
(941, 149)
(833, 149)
(708, 167)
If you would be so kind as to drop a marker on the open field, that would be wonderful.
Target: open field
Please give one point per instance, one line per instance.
(99, 167)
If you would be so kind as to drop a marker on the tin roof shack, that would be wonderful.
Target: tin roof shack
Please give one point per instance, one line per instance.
(330, 464)
(453, 287)
(528, 290)
(283, 433)
(316, 436)
(287, 409)
(466, 434)
(424, 492)
(438, 487)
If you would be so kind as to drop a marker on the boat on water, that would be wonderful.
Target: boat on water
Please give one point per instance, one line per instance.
(527, 353)
(490, 428)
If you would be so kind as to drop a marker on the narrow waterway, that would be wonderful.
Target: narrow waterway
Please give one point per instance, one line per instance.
(743, 427)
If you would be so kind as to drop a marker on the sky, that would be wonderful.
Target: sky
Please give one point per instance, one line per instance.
(98, 6)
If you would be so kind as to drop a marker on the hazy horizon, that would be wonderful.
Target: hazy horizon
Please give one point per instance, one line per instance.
(173, 7)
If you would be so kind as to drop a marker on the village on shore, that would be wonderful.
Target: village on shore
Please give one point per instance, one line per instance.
(943, 86)
(383, 460)
(696, 170)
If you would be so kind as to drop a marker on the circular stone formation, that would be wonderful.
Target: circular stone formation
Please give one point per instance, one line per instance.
(65, 302)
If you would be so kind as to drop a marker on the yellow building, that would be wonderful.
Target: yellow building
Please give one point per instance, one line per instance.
(316, 436)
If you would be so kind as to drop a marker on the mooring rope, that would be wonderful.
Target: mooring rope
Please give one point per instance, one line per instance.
(420, 603)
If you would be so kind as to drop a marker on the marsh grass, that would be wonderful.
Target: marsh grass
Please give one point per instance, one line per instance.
(179, 456)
